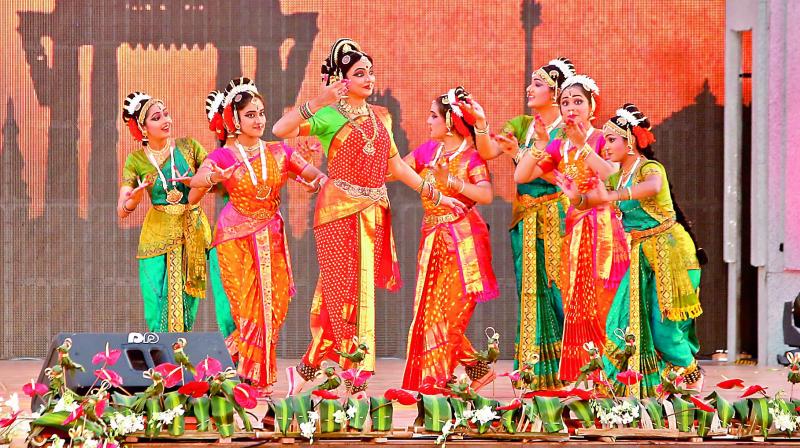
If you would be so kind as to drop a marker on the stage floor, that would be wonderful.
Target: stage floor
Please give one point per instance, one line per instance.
(13, 374)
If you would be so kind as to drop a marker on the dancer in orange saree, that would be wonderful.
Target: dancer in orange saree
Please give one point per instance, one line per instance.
(352, 222)
(249, 236)
(594, 253)
(454, 265)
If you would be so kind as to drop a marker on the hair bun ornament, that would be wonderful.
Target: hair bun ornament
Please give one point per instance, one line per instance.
(628, 116)
(582, 80)
(133, 103)
(338, 54)
(130, 107)
(564, 65)
(457, 117)
(644, 137)
(213, 111)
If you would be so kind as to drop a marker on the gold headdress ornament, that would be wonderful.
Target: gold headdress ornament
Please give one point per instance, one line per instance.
(138, 102)
(587, 83)
(235, 88)
(341, 46)
(623, 124)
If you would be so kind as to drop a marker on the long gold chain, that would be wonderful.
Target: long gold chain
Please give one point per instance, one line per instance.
(369, 145)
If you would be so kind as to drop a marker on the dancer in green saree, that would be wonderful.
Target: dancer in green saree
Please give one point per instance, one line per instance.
(175, 233)
(650, 326)
(536, 225)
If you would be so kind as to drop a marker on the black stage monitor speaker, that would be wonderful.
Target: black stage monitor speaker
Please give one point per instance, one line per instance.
(140, 351)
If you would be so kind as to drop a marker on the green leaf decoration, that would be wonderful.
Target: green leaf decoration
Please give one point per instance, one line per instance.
(508, 420)
(56, 420)
(656, 412)
(761, 415)
(362, 411)
(458, 406)
(684, 413)
(222, 413)
(742, 409)
(123, 400)
(704, 419)
(380, 411)
(152, 406)
(481, 402)
(583, 410)
(201, 410)
(531, 411)
(326, 409)
(281, 410)
(725, 409)
(178, 426)
(550, 410)
(301, 404)
(434, 412)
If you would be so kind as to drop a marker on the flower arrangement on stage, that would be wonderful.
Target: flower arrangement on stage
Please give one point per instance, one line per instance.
(108, 413)
(209, 399)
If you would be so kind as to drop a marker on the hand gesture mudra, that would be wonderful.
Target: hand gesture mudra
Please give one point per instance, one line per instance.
(507, 143)
(332, 93)
(136, 193)
(576, 133)
(220, 175)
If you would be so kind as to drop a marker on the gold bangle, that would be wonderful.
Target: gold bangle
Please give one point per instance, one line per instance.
(484, 131)
(463, 185)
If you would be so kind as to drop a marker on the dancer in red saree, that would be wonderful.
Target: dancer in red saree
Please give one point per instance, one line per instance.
(352, 221)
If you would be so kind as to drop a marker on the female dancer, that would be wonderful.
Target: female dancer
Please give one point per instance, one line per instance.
(536, 226)
(594, 250)
(249, 236)
(454, 267)
(175, 232)
(222, 308)
(352, 222)
(657, 301)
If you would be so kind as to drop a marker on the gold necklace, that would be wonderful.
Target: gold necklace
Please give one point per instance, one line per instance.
(369, 145)
(353, 111)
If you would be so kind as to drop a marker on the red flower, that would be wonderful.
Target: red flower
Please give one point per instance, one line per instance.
(629, 377)
(513, 376)
(428, 386)
(171, 373)
(754, 389)
(325, 394)
(403, 397)
(34, 388)
(357, 377)
(74, 415)
(107, 356)
(100, 407)
(245, 396)
(8, 421)
(194, 389)
(111, 376)
(207, 367)
(515, 404)
(701, 404)
(731, 383)
(560, 393)
(580, 393)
